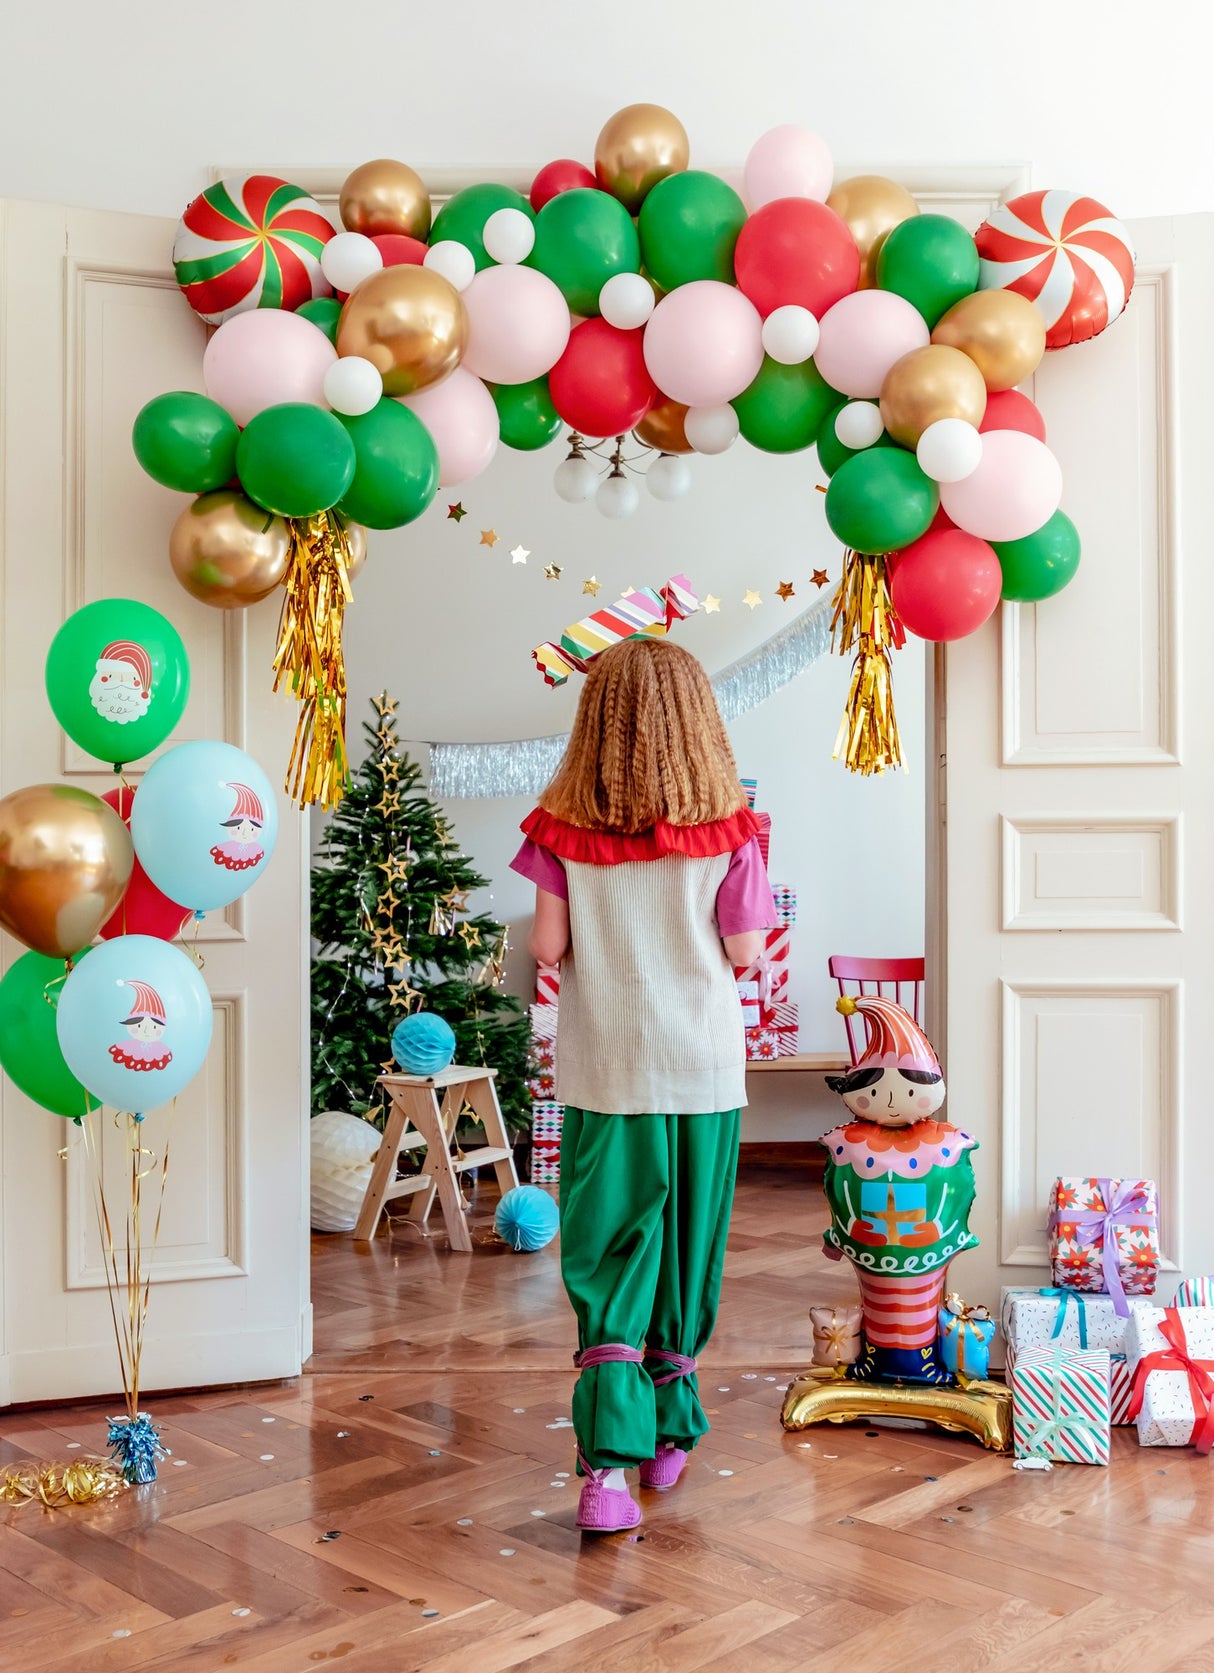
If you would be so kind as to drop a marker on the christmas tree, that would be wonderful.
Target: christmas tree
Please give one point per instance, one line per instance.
(394, 934)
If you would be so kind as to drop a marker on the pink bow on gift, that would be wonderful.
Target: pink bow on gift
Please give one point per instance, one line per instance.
(1124, 1207)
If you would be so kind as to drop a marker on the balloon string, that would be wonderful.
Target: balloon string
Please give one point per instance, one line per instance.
(192, 947)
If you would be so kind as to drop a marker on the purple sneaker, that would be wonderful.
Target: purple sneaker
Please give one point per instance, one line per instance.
(664, 1469)
(605, 1510)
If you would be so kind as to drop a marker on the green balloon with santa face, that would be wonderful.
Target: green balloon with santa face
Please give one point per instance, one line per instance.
(118, 677)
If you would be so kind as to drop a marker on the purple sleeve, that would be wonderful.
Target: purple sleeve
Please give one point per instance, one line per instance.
(744, 899)
(543, 869)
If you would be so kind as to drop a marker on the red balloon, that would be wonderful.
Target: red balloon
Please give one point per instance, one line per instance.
(600, 385)
(398, 250)
(795, 250)
(561, 176)
(941, 520)
(1008, 409)
(143, 910)
(946, 584)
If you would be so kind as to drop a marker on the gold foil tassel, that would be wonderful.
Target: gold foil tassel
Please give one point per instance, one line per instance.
(864, 622)
(309, 657)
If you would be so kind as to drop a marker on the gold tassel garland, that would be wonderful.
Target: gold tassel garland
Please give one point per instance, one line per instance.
(309, 657)
(865, 622)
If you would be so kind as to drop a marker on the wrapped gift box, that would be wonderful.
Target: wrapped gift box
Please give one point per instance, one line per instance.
(965, 1337)
(838, 1334)
(547, 984)
(777, 1034)
(1060, 1404)
(545, 1166)
(542, 1081)
(1104, 1236)
(748, 993)
(764, 836)
(785, 897)
(1171, 1357)
(1030, 1317)
(770, 969)
(751, 787)
(1195, 1292)
(547, 1118)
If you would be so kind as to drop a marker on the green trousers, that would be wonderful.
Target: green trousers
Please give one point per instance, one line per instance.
(645, 1204)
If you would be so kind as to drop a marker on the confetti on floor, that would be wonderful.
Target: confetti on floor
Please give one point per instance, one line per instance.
(539, 1513)
(266, 1457)
(242, 1612)
(464, 1522)
(506, 1551)
(724, 1472)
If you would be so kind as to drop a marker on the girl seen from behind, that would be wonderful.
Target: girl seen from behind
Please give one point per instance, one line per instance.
(649, 885)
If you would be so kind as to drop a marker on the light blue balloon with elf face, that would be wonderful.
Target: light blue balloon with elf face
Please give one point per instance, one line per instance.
(134, 1022)
(204, 823)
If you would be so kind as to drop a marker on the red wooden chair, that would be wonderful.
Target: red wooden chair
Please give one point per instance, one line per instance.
(899, 979)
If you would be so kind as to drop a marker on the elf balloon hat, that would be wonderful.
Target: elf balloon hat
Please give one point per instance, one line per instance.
(248, 806)
(133, 656)
(147, 1003)
(894, 1038)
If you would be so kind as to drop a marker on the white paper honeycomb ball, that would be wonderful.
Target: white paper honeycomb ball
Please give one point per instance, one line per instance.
(343, 1149)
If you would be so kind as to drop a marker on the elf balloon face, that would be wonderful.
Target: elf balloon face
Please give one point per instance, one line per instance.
(891, 1097)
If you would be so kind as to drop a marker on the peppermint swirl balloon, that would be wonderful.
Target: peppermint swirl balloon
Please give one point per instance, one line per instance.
(1065, 252)
(251, 241)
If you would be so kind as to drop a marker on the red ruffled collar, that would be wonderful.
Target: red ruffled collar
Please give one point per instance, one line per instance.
(611, 848)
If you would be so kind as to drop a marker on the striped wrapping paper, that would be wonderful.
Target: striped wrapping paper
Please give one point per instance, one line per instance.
(770, 969)
(1030, 1318)
(1195, 1292)
(763, 836)
(547, 984)
(751, 787)
(1060, 1405)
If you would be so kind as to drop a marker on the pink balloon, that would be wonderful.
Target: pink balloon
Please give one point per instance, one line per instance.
(518, 324)
(788, 162)
(263, 357)
(862, 336)
(945, 584)
(460, 415)
(1015, 490)
(704, 343)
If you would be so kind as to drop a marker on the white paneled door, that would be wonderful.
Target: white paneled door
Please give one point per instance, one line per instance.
(92, 327)
(1078, 744)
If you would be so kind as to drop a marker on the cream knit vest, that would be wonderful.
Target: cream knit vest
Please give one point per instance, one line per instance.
(650, 1017)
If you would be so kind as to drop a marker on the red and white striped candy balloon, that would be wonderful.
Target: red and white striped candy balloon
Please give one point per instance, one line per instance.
(1066, 253)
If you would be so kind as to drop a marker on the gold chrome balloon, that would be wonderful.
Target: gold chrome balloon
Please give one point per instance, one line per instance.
(662, 427)
(928, 384)
(1003, 334)
(409, 323)
(228, 552)
(981, 1409)
(872, 206)
(385, 196)
(65, 862)
(356, 541)
(639, 146)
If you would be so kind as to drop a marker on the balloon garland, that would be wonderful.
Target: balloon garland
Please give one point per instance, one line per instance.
(642, 296)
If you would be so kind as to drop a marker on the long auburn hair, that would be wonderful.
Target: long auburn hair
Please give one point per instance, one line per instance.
(648, 744)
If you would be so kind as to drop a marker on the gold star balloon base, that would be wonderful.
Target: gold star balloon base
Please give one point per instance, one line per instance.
(865, 623)
(981, 1409)
(309, 658)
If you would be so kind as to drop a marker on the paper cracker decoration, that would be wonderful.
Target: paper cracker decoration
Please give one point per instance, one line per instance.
(648, 612)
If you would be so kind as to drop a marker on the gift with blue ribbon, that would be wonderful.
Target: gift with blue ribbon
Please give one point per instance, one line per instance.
(965, 1338)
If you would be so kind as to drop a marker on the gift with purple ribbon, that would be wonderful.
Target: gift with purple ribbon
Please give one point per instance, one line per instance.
(1104, 1237)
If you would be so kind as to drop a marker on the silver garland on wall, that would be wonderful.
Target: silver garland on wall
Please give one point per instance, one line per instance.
(523, 767)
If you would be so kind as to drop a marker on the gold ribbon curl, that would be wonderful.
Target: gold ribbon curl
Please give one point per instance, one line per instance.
(81, 1482)
(309, 657)
(865, 622)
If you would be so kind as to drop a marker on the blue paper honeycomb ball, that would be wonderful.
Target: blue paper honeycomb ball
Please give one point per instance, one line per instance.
(527, 1218)
(423, 1044)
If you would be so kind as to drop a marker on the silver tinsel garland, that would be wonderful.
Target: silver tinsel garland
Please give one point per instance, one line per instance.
(522, 768)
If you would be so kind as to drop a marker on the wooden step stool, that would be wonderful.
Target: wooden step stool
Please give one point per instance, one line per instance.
(416, 1117)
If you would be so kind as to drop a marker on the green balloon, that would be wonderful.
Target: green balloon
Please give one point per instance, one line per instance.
(782, 409)
(324, 311)
(526, 413)
(186, 441)
(583, 238)
(831, 451)
(118, 677)
(463, 217)
(880, 501)
(295, 459)
(930, 260)
(1041, 564)
(29, 1042)
(689, 224)
(396, 470)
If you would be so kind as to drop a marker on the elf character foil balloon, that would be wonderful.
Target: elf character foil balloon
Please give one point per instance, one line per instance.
(899, 1185)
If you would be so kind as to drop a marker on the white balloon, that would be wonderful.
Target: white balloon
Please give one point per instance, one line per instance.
(575, 480)
(454, 261)
(949, 450)
(617, 497)
(508, 235)
(669, 477)
(626, 301)
(790, 334)
(353, 385)
(858, 424)
(711, 429)
(349, 258)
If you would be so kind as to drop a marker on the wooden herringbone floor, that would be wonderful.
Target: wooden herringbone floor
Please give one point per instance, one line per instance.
(408, 1504)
